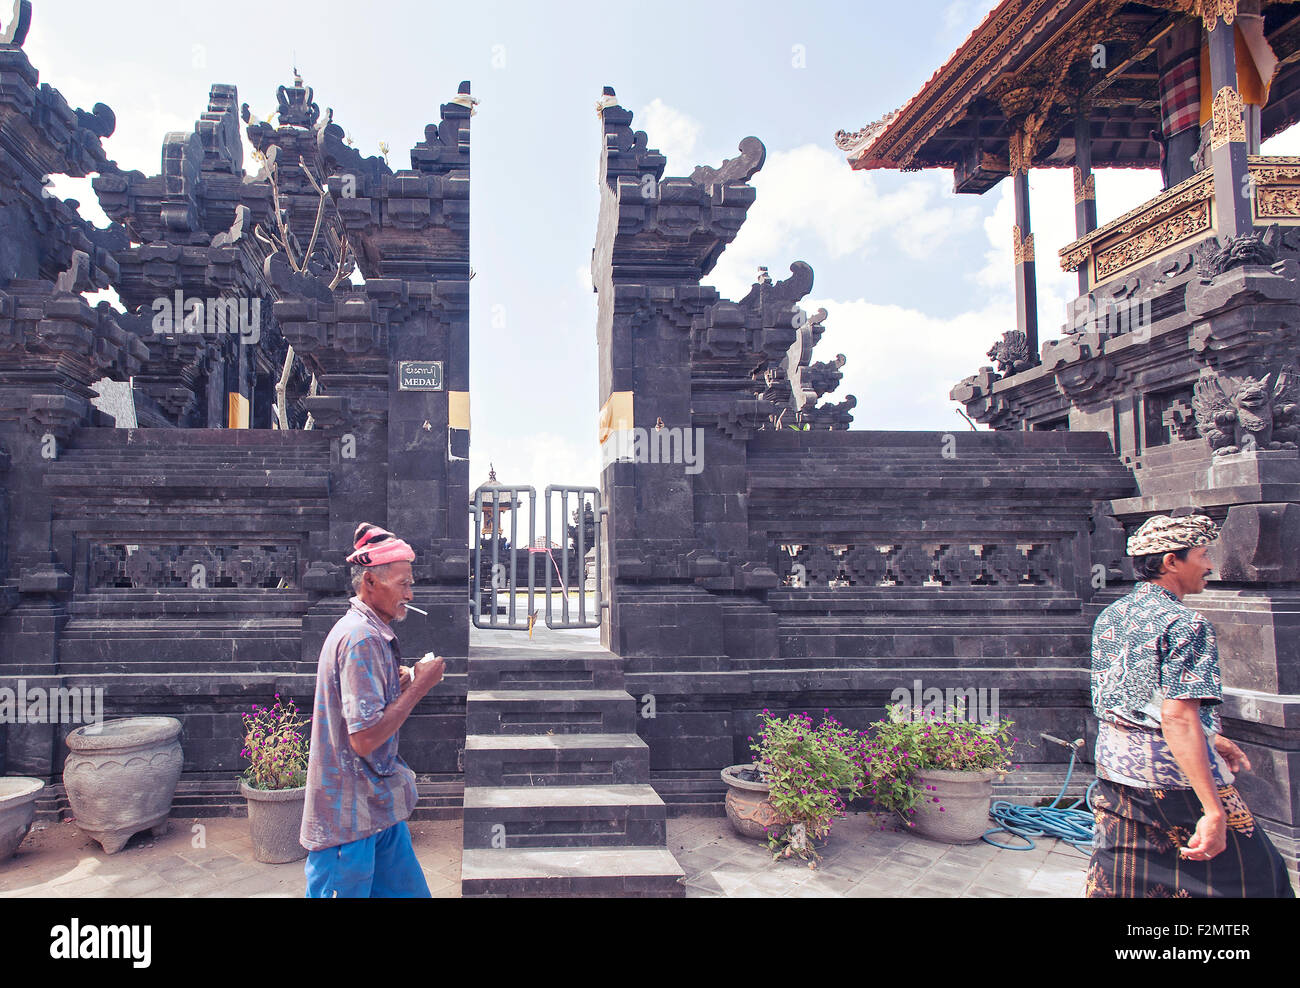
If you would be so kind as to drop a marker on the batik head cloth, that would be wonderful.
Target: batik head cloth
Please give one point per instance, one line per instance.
(376, 546)
(1160, 534)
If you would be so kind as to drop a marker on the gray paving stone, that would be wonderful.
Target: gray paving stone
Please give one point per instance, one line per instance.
(931, 890)
(909, 857)
(983, 892)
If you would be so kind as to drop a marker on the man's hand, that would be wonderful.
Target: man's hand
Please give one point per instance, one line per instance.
(1210, 839)
(403, 677)
(428, 674)
(1233, 755)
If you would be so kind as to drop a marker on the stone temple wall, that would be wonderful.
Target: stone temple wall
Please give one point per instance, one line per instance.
(799, 566)
(186, 568)
(1188, 366)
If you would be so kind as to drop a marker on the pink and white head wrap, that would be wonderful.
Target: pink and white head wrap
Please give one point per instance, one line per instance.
(376, 546)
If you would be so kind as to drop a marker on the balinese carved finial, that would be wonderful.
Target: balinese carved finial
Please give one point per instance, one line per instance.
(607, 99)
(14, 30)
(463, 98)
(733, 170)
(763, 277)
(492, 474)
(297, 108)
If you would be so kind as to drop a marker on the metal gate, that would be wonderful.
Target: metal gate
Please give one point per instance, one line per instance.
(501, 573)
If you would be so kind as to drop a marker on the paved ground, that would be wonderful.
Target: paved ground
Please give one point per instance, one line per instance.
(861, 860)
(60, 861)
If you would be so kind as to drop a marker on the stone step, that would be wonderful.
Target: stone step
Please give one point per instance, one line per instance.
(534, 672)
(564, 816)
(311, 482)
(275, 605)
(555, 760)
(558, 711)
(630, 872)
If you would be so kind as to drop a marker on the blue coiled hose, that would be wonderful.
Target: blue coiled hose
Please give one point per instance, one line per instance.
(1067, 823)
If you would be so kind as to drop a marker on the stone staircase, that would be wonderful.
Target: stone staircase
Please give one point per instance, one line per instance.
(557, 794)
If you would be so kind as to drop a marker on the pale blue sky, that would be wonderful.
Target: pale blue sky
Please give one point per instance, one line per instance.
(917, 280)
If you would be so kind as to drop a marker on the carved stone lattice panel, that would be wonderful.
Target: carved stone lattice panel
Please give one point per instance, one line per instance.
(960, 565)
(124, 566)
(916, 564)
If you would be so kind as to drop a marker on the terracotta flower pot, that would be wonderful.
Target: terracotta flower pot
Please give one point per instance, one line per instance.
(748, 807)
(961, 814)
(17, 811)
(120, 777)
(275, 819)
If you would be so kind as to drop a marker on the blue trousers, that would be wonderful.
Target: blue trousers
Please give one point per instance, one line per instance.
(383, 866)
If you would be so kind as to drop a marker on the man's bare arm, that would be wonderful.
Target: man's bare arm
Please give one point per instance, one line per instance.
(426, 676)
(1180, 722)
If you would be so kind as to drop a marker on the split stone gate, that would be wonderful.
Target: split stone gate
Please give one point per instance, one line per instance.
(791, 564)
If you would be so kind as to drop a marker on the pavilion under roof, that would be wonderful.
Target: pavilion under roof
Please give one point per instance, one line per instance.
(1040, 57)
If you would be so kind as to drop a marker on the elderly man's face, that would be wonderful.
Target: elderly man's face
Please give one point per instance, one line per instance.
(387, 591)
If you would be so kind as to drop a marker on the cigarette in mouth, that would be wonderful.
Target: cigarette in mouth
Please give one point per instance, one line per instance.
(412, 607)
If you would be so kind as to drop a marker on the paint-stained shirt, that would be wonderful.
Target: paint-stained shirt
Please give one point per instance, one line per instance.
(1148, 647)
(349, 796)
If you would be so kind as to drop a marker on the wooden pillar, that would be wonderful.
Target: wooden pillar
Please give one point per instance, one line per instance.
(1232, 202)
(1023, 246)
(1180, 56)
(1085, 194)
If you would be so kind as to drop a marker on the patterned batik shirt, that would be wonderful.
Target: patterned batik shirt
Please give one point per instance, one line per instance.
(349, 796)
(1148, 647)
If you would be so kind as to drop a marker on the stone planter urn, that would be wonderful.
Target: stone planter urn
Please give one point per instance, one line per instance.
(748, 807)
(17, 811)
(120, 777)
(961, 815)
(275, 819)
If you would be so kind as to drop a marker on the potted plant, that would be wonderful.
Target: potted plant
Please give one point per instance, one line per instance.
(936, 771)
(795, 788)
(275, 785)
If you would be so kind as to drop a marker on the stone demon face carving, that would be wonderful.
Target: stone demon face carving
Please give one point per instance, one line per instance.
(1241, 414)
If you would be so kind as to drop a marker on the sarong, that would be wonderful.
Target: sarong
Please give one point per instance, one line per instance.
(1139, 831)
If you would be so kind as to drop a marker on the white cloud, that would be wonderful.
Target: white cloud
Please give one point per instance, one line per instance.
(583, 274)
(80, 189)
(1051, 215)
(810, 204)
(1287, 142)
(673, 132)
(901, 363)
(108, 295)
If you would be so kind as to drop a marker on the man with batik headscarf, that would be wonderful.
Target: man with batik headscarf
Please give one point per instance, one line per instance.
(359, 791)
(1169, 821)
